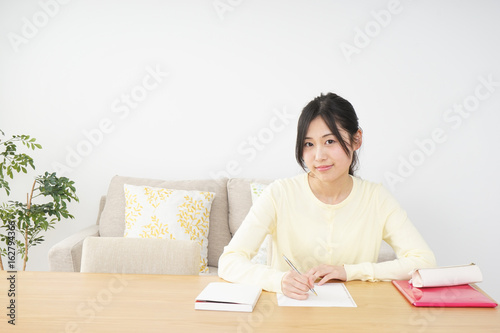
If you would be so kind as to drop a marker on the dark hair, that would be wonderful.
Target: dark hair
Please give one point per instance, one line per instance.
(337, 113)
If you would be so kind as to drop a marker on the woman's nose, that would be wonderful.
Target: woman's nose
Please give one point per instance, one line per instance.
(320, 153)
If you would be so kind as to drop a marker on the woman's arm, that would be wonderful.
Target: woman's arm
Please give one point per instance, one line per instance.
(235, 264)
(411, 249)
(389, 221)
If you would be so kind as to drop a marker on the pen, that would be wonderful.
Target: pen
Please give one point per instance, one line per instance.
(295, 269)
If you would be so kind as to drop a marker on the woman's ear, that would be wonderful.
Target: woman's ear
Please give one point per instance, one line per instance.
(358, 139)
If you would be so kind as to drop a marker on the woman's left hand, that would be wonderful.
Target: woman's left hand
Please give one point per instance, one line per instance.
(327, 273)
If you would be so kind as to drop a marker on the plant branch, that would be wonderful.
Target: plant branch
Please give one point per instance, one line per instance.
(31, 195)
(29, 198)
(26, 250)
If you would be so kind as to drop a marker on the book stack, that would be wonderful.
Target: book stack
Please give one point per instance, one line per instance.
(445, 287)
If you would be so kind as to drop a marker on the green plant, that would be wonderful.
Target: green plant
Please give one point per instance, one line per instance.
(29, 219)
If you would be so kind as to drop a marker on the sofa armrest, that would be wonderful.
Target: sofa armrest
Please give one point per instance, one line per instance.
(66, 256)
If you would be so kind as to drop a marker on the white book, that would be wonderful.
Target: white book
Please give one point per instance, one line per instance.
(222, 296)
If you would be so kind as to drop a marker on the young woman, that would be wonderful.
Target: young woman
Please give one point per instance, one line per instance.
(329, 223)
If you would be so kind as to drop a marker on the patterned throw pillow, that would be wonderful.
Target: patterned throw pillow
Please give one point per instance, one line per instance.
(264, 253)
(152, 212)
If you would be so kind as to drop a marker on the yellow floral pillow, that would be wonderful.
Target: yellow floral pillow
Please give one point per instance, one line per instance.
(152, 212)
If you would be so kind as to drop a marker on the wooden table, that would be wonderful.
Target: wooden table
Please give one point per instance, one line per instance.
(84, 302)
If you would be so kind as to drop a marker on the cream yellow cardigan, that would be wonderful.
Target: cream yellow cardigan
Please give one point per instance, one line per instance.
(310, 232)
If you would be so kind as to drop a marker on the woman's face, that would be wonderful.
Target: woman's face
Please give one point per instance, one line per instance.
(323, 154)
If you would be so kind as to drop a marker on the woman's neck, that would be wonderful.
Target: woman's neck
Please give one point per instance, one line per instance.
(333, 192)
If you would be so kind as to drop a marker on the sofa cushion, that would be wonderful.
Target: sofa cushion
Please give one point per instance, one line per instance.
(140, 256)
(112, 221)
(240, 200)
(155, 212)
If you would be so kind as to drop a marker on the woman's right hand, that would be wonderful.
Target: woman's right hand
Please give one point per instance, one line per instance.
(295, 285)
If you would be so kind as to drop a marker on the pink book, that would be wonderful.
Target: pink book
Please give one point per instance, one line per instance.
(453, 296)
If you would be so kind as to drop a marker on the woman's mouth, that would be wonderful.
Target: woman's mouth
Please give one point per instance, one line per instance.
(322, 168)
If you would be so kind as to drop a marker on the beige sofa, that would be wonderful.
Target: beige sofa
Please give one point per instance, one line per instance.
(232, 202)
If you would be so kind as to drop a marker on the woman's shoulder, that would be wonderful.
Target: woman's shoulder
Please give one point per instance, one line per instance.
(368, 187)
(287, 185)
(373, 191)
(297, 181)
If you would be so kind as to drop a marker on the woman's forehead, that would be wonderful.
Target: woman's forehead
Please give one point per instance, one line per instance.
(319, 129)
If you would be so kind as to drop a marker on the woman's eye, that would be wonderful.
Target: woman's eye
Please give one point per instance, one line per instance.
(308, 144)
(329, 142)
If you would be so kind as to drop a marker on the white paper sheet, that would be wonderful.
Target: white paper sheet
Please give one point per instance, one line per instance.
(329, 295)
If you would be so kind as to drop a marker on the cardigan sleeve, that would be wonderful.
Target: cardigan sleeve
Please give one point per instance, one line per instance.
(235, 264)
(411, 250)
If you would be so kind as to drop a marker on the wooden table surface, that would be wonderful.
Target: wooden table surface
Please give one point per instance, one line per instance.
(84, 302)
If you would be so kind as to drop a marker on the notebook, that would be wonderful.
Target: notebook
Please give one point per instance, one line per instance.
(223, 296)
(451, 296)
(329, 295)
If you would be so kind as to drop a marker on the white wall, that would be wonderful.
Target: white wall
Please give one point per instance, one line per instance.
(67, 67)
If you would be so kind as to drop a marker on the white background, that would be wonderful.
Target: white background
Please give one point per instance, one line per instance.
(231, 69)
